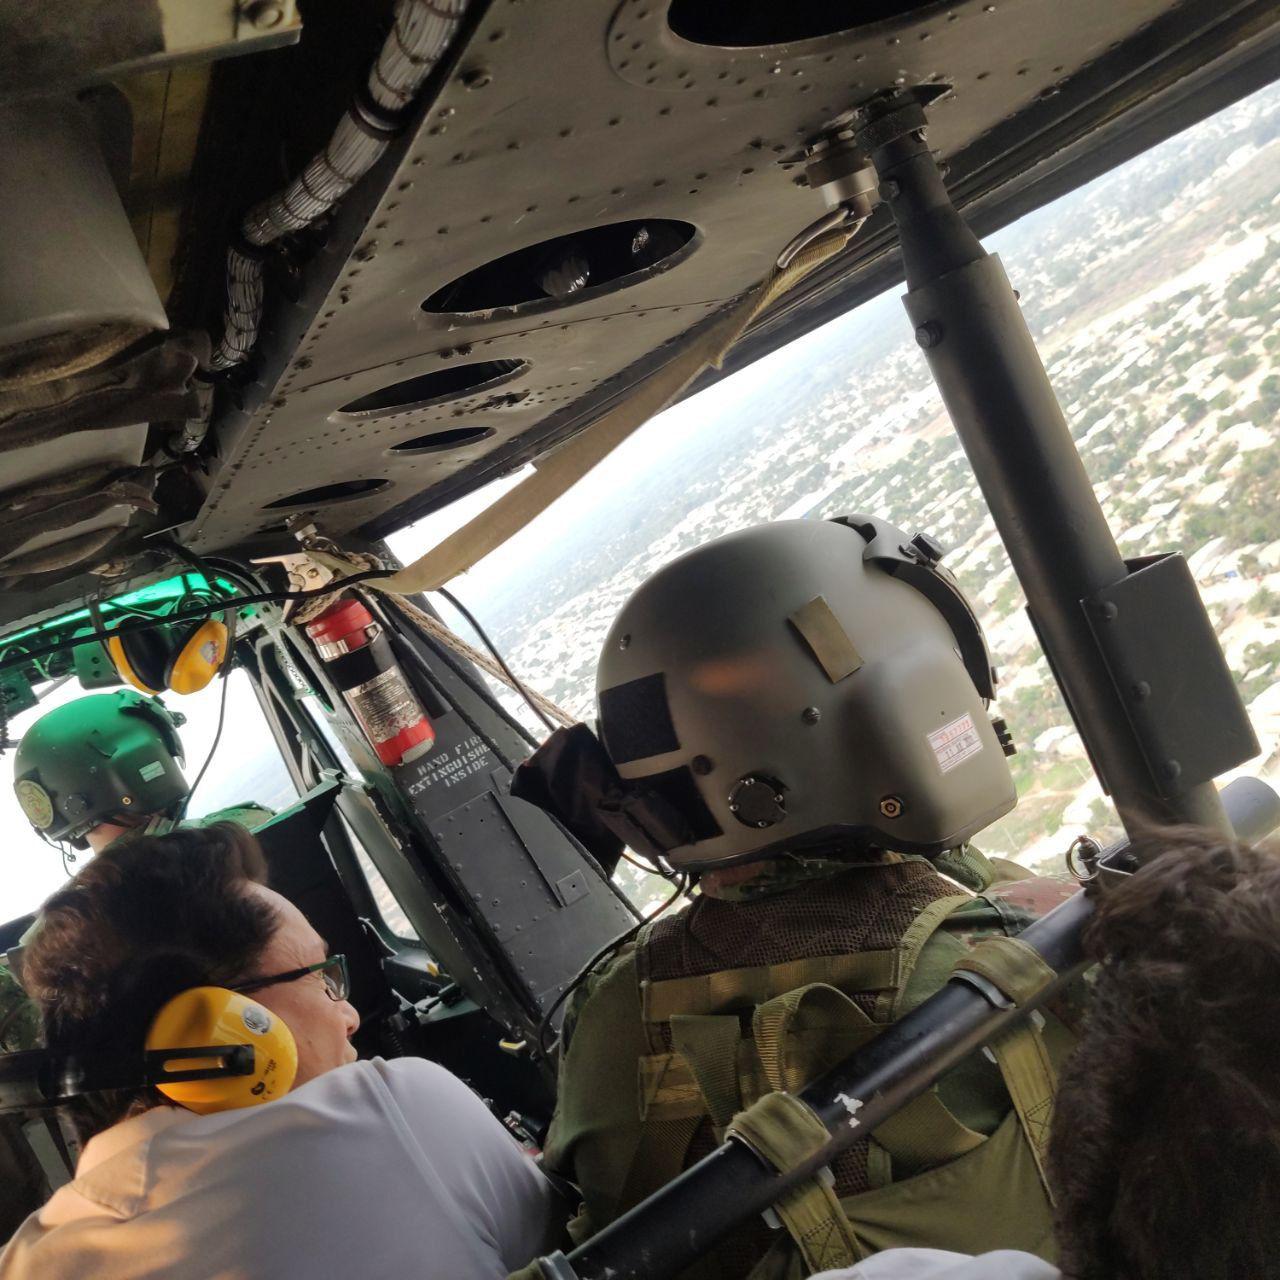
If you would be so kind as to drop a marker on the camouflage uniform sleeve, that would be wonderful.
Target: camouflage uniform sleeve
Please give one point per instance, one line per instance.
(583, 992)
(1011, 908)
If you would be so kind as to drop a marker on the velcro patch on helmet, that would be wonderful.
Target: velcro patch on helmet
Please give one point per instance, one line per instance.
(635, 720)
(827, 639)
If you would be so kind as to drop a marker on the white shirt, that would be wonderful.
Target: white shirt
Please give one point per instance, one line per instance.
(938, 1264)
(374, 1171)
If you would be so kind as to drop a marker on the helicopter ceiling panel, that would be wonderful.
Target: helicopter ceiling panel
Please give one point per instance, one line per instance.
(578, 188)
(591, 181)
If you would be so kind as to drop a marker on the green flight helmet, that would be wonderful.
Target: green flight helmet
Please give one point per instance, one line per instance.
(801, 685)
(98, 759)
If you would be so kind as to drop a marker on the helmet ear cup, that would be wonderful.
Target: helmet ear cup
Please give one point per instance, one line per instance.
(196, 655)
(141, 658)
(206, 1017)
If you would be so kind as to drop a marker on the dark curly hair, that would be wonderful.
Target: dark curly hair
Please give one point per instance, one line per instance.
(147, 918)
(1165, 1150)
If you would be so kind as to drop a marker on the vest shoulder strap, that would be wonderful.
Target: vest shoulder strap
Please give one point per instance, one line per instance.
(728, 989)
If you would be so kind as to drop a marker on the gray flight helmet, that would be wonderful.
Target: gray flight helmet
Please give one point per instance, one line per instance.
(804, 684)
(97, 759)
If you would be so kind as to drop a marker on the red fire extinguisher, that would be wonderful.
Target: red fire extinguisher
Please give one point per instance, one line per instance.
(362, 665)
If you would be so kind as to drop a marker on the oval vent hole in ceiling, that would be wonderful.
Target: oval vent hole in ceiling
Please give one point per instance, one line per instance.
(568, 268)
(449, 383)
(738, 24)
(437, 441)
(327, 494)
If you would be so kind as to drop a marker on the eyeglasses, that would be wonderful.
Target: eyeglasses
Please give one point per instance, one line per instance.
(332, 970)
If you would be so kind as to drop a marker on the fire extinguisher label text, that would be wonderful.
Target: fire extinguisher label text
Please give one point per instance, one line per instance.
(384, 705)
(450, 767)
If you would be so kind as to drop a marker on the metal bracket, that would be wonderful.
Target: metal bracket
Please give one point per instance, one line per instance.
(840, 170)
(304, 574)
(1158, 644)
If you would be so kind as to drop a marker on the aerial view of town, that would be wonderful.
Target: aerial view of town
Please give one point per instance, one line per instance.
(1154, 295)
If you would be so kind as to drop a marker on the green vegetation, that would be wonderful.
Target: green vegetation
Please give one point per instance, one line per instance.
(1239, 367)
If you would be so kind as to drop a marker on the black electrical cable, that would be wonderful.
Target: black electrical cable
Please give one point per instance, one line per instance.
(209, 566)
(649, 868)
(540, 1037)
(190, 615)
(497, 657)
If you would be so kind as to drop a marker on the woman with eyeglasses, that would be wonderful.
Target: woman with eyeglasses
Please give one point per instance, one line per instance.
(363, 1168)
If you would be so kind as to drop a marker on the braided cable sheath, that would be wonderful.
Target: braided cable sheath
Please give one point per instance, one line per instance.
(421, 32)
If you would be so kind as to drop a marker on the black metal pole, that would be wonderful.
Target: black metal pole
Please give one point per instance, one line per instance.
(692, 1213)
(998, 395)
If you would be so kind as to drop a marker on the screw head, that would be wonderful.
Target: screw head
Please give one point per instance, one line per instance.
(264, 14)
(891, 807)
(624, 642)
(476, 78)
(701, 765)
(811, 715)
(890, 189)
(1171, 770)
(929, 334)
(1142, 691)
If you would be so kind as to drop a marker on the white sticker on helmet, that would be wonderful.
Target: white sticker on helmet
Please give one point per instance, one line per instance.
(954, 743)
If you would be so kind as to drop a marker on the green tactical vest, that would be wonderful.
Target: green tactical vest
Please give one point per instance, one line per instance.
(650, 1063)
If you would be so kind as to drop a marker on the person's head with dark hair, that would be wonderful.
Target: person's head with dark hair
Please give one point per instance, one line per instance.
(1165, 1155)
(149, 918)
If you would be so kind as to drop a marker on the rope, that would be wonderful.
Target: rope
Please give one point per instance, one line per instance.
(438, 631)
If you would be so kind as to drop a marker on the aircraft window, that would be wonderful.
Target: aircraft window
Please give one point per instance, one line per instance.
(1154, 293)
(750, 23)
(389, 909)
(247, 767)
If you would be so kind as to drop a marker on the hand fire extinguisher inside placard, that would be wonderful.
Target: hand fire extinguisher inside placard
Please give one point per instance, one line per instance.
(359, 658)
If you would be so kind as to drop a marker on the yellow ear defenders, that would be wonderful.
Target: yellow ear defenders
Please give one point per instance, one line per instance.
(208, 1018)
(182, 657)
